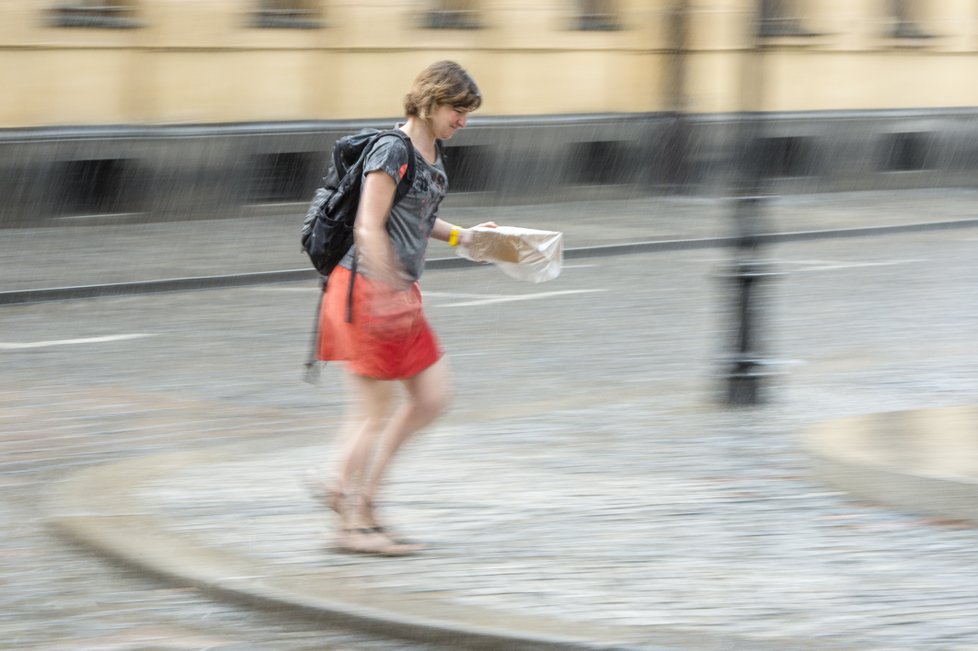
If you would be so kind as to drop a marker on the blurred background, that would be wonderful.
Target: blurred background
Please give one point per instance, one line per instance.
(168, 109)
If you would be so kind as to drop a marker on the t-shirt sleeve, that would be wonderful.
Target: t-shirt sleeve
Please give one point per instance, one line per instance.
(389, 155)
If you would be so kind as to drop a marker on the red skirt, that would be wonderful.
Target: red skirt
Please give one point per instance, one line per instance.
(388, 338)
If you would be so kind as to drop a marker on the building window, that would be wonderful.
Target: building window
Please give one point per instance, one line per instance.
(452, 14)
(469, 167)
(285, 177)
(597, 15)
(904, 19)
(781, 18)
(905, 152)
(95, 187)
(103, 14)
(786, 157)
(287, 14)
(599, 162)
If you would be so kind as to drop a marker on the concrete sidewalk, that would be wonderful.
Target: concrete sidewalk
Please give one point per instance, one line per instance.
(603, 509)
(75, 254)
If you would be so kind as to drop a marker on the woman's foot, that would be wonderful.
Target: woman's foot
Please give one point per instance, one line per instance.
(372, 540)
(365, 512)
(329, 495)
(363, 517)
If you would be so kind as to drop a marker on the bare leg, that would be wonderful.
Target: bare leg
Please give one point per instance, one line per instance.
(429, 394)
(367, 420)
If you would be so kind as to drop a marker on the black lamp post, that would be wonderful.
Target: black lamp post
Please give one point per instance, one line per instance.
(747, 369)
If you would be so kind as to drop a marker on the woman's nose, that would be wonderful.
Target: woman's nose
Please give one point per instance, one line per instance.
(462, 120)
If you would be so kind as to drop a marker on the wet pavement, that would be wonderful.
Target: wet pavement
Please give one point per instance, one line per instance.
(79, 252)
(588, 488)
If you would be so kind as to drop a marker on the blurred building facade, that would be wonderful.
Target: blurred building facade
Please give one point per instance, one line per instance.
(179, 107)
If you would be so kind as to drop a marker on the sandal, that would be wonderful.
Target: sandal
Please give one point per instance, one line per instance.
(332, 498)
(371, 540)
(367, 514)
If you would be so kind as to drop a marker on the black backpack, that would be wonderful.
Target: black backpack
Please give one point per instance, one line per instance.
(327, 231)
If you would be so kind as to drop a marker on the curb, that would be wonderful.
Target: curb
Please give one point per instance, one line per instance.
(921, 461)
(98, 508)
(23, 296)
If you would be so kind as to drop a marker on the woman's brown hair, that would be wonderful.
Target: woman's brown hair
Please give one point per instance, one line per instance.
(442, 83)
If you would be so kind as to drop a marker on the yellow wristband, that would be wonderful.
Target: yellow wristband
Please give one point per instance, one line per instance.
(453, 237)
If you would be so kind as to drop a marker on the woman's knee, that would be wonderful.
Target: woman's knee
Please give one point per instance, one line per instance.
(430, 390)
(433, 400)
(445, 397)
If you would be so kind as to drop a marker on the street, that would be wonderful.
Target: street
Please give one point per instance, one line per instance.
(617, 351)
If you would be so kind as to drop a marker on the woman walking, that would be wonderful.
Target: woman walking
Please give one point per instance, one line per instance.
(388, 340)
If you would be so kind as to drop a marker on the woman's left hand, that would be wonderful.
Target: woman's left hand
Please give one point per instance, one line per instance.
(465, 236)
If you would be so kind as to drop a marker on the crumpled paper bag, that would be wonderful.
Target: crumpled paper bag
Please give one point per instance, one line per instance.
(522, 253)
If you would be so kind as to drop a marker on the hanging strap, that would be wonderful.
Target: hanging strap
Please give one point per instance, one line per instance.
(312, 359)
(349, 292)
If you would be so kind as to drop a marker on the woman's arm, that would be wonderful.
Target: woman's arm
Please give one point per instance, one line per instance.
(373, 241)
(443, 231)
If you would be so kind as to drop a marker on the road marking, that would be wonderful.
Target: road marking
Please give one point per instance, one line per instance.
(100, 216)
(521, 297)
(306, 289)
(69, 342)
(831, 265)
(426, 294)
(477, 299)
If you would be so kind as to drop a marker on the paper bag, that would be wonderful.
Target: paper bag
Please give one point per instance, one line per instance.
(521, 253)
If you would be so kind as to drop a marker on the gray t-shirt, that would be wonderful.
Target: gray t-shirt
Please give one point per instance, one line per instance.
(413, 217)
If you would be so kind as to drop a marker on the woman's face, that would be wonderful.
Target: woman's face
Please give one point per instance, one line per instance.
(446, 120)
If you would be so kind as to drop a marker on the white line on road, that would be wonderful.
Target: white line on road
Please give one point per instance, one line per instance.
(427, 294)
(69, 342)
(829, 265)
(461, 295)
(477, 299)
(521, 297)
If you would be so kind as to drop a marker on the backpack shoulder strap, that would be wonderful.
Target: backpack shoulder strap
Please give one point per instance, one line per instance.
(407, 180)
(350, 149)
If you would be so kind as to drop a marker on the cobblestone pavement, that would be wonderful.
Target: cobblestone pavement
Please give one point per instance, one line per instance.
(587, 472)
(56, 596)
